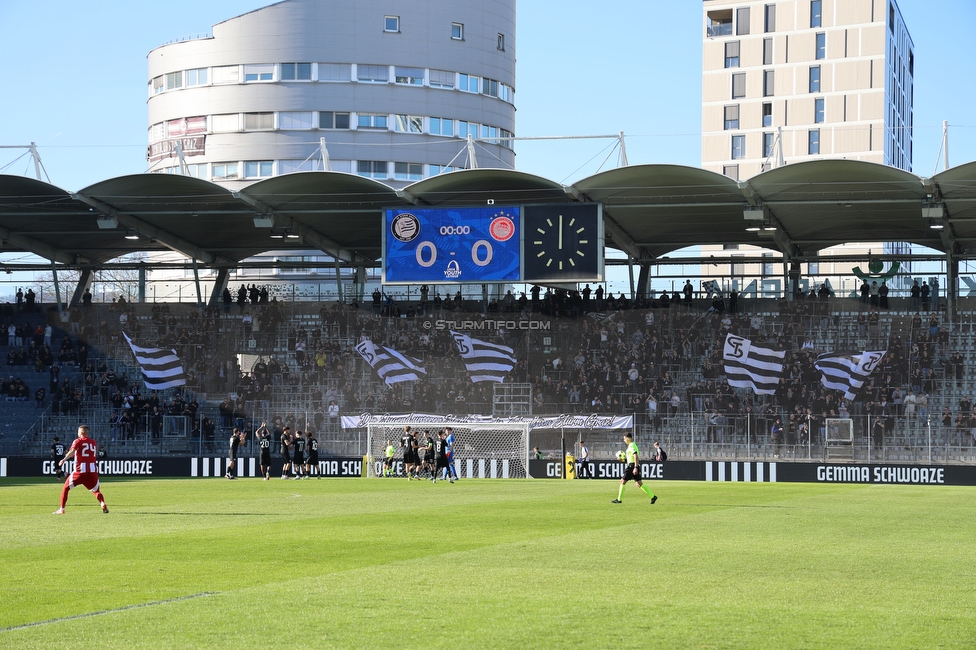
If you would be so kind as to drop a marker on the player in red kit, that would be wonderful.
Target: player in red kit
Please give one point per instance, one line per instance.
(85, 452)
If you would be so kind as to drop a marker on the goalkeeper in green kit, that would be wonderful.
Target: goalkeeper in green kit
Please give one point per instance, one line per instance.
(632, 457)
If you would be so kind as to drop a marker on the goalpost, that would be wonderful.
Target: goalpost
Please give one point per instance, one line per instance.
(481, 450)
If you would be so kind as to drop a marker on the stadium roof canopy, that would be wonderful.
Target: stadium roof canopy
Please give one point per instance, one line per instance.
(650, 211)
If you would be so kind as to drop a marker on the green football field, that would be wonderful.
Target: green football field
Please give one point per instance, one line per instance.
(212, 563)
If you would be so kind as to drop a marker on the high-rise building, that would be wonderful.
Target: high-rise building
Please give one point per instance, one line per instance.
(796, 80)
(392, 91)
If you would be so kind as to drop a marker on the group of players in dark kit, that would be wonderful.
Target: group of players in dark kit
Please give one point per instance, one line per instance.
(300, 451)
(438, 455)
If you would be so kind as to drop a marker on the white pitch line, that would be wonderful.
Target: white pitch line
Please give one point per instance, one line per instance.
(107, 611)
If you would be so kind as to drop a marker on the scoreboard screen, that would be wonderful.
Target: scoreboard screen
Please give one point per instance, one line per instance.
(452, 245)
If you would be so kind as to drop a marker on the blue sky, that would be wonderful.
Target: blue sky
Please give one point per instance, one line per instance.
(76, 81)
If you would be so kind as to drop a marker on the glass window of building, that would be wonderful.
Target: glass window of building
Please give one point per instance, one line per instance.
(174, 80)
(731, 117)
(227, 123)
(258, 121)
(335, 72)
(442, 79)
(767, 114)
(767, 51)
(821, 46)
(742, 21)
(224, 170)
(333, 120)
(158, 85)
(738, 147)
(489, 87)
(372, 168)
(457, 31)
(501, 42)
(296, 71)
(813, 141)
(258, 168)
(469, 83)
(256, 72)
(408, 123)
(409, 76)
(731, 171)
(292, 166)
(441, 126)
(391, 24)
(226, 74)
(738, 85)
(732, 54)
(371, 120)
(295, 120)
(816, 9)
(440, 169)
(815, 78)
(408, 171)
(769, 18)
(196, 77)
(769, 83)
(818, 110)
(769, 140)
(373, 73)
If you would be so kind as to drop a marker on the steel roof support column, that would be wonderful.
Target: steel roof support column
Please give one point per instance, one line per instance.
(196, 282)
(142, 282)
(84, 281)
(57, 287)
(338, 271)
(643, 280)
(952, 284)
(219, 285)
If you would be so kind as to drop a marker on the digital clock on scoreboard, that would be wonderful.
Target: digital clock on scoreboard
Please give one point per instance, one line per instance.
(451, 245)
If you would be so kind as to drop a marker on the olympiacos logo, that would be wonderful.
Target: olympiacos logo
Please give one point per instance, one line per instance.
(502, 228)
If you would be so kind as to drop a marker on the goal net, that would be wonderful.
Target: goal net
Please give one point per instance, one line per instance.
(481, 450)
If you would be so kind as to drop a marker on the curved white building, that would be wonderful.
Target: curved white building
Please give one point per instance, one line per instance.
(392, 96)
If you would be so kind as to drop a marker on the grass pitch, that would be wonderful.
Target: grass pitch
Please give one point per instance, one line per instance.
(211, 563)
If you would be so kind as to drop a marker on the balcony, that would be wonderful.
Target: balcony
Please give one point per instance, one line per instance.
(720, 29)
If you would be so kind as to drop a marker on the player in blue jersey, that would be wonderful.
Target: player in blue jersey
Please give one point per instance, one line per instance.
(450, 472)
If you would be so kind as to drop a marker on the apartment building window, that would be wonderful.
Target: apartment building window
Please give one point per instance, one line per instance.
(767, 51)
(196, 77)
(501, 42)
(371, 120)
(769, 83)
(818, 110)
(335, 72)
(223, 170)
(815, 78)
(738, 85)
(742, 21)
(333, 120)
(296, 71)
(391, 24)
(457, 31)
(408, 76)
(226, 74)
(408, 123)
(738, 147)
(813, 268)
(440, 169)
(732, 54)
(731, 117)
(767, 114)
(258, 72)
(821, 46)
(258, 168)
(731, 171)
(816, 9)
(295, 120)
(769, 141)
(813, 141)
(373, 73)
(372, 168)
(769, 18)
(442, 79)
(174, 80)
(227, 123)
(441, 126)
(408, 171)
(258, 121)
(469, 83)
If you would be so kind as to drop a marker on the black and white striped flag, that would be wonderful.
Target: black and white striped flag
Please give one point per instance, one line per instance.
(485, 361)
(392, 366)
(847, 372)
(750, 366)
(161, 368)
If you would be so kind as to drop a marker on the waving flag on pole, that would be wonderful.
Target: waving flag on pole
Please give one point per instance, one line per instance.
(847, 372)
(390, 365)
(485, 361)
(750, 366)
(161, 368)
